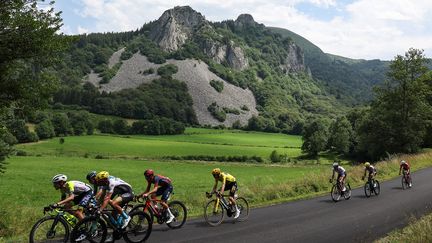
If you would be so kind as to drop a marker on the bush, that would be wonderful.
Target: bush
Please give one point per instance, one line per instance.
(21, 153)
(231, 110)
(61, 123)
(275, 157)
(217, 85)
(120, 127)
(106, 126)
(7, 137)
(167, 70)
(216, 112)
(245, 108)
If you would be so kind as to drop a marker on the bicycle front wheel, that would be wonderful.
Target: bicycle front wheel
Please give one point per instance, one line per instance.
(367, 189)
(243, 206)
(335, 194)
(90, 229)
(139, 227)
(214, 213)
(178, 209)
(405, 183)
(49, 229)
(377, 188)
(347, 193)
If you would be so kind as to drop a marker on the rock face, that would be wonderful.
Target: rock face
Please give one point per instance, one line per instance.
(229, 53)
(294, 62)
(175, 26)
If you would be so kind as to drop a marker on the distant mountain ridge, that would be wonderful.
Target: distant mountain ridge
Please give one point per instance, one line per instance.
(267, 71)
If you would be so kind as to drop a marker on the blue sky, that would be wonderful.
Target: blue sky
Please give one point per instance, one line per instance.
(367, 29)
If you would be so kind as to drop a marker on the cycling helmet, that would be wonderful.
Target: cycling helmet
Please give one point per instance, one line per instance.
(403, 162)
(91, 175)
(335, 164)
(367, 164)
(148, 173)
(102, 175)
(58, 178)
(216, 171)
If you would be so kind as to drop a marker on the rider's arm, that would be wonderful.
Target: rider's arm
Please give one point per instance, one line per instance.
(106, 200)
(146, 190)
(67, 199)
(215, 185)
(400, 169)
(333, 174)
(156, 186)
(223, 184)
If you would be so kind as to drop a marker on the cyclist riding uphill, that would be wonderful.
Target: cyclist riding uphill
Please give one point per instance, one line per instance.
(73, 193)
(162, 187)
(117, 193)
(228, 183)
(341, 175)
(406, 170)
(371, 169)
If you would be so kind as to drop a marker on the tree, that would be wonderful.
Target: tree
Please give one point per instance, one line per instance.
(45, 129)
(105, 126)
(120, 126)
(61, 123)
(340, 139)
(315, 137)
(400, 114)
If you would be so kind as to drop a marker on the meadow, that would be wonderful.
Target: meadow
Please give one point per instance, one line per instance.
(26, 186)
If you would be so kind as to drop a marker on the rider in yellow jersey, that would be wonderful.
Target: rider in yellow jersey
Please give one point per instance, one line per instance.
(228, 183)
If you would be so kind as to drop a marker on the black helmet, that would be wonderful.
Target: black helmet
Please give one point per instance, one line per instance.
(91, 175)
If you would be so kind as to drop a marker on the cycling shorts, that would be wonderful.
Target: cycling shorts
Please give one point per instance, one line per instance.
(83, 199)
(123, 191)
(232, 187)
(165, 192)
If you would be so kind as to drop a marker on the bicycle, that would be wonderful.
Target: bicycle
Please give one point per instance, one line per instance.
(406, 181)
(54, 227)
(95, 227)
(372, 186)
(336, 193)
(214, 210)
(177, 208)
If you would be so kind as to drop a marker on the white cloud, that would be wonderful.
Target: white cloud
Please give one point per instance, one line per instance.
(364, 29)
(82, 30)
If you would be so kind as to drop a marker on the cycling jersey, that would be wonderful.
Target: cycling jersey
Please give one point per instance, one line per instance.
(371, 169)
(405, 166)
(226, 178)
(340, 170)
(161, 181)
(114, 182)
(75, 187)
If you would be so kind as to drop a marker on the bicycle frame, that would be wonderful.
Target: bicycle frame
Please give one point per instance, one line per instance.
(150, 205)
(220, 202)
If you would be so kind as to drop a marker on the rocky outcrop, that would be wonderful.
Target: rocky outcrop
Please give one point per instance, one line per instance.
(294, 62)
(244, 21)
(175, 26)
(229, 53)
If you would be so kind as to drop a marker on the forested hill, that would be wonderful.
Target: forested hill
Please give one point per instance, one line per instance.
(233, 73)
(350, 80)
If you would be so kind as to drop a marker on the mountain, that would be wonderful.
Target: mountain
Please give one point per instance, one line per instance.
(231, 71)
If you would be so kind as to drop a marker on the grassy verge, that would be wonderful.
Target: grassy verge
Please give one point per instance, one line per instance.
(416, 231)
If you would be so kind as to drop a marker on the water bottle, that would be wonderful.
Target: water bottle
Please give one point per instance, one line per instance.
(224, 201)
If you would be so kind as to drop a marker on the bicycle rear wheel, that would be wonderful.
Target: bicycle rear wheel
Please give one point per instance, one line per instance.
(377, 188)
(243, 206)
(335, 194)
(92, 229)
(139, 227)
(214, 213)
(367, 189)
(178, 209)
(48, 229)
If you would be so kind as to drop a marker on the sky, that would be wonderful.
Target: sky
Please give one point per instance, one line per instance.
(361, 29)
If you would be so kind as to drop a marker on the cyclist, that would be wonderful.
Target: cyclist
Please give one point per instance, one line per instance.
(341, 175)
(162, 187)
(117, 193)
(228, 183)
(406, 169)
(371, 169)
(91, 178)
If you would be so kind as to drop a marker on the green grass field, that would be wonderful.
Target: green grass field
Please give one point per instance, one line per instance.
(194, 142)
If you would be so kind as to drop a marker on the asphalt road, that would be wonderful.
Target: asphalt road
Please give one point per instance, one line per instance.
(358, 219)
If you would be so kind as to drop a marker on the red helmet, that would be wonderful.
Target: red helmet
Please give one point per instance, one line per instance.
(148, 173)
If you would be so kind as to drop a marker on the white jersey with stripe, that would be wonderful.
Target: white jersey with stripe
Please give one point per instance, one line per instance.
(113, 182)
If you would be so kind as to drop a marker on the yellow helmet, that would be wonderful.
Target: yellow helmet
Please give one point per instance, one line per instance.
(216, 171)
(102, 175)
(367, 164)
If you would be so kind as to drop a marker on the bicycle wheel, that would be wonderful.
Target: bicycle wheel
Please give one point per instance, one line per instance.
(178, 209)
(377, 188)
(49, 229)
(91, 229)
(139, 227)
(214, 213)
(367, 189)
(243, 206)
(347, 193)
(335, 194)
(405, 183)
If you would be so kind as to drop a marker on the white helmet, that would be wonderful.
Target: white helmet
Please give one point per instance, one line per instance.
(58, 178)
(402, 162)
(335, 164)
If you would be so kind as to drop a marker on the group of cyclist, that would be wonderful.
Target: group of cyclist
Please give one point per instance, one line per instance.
(368, 169)
(110, 190)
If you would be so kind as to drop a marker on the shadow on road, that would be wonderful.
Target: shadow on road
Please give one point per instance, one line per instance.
(396, 188)
(326, 201)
